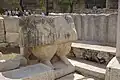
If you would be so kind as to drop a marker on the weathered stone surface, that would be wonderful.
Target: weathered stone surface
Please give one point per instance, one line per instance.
(11, 24)
(112, 28)
(12, 38)
(76, 76)
(47, 35)
(96, 53)
(11, 61)
(33, 72)
(88, 68)
(62, 69)
(113, 69)
(95, 27)
(47, 30)
(9, 64)
(2, 35)
(23, 60)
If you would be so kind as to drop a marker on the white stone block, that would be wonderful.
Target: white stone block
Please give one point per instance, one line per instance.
(32, 72)
(12, 37)
(2, 36)
(113, 69)
(62, 69)
(11, 24)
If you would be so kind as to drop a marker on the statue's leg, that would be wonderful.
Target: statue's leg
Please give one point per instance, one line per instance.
(63, 50)
(48, 63)
(45, 53)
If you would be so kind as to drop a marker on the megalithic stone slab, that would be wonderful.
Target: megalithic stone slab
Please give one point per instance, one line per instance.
(2, 35)
(12, 24)
(32, 72)
(45, 30)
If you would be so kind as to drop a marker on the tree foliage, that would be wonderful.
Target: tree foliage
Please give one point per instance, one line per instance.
(42, 5)
(12, 3)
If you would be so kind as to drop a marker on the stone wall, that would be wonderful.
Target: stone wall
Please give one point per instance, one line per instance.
(99, 28)
(9, 31)
(96, 28)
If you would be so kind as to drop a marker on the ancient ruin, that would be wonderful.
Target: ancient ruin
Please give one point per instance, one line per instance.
(61, 46)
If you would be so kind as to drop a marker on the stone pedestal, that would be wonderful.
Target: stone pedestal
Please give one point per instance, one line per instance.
(113, 69)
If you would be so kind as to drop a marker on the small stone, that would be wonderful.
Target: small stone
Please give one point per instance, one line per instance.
(10, 61)
(6, 65)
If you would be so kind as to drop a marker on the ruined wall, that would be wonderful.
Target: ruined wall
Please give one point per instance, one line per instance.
(9, 31)
(96, 28)
(40, 29)
(99, 28)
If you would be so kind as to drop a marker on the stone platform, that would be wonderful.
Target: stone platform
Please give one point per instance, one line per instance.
(93, 51)
(33, 72)
(86, 71)
(76, 76)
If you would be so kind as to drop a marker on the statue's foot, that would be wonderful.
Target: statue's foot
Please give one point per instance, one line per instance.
(65, 60)
(48, 63)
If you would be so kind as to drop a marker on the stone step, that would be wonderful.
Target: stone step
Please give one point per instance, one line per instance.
(38, 72)
(32, 72)
(76, 76)
(62, 69)
(93, 51)
(89, 68)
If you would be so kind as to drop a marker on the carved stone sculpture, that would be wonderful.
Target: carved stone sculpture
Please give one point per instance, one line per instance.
(46, 36)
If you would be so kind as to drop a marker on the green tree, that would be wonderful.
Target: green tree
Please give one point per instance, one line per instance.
(12, 3)
(67, 5)
(64, 5)
(42, 5)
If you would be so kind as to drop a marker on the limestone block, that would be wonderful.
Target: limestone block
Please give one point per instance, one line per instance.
(112, 27)
(2, 36)
(63, 50)
(76, 76)
(113, 69)
(12, 37)
(91, 28)
(12, 24)
(48, 35)
(62, 69)
(22, 59)
(47, 30)
(84, 21)
(78, 25)
(9, 64)
(11, 61)
(45, 53)
(32, 72)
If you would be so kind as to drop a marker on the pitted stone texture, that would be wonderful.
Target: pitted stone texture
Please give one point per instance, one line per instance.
(2, 34)
(9, 64)
(47, 36)
(113, 69)
(46, 53)
(95, 27)
(62, 69)
(92, 52)
(45, 30)
(76, 76)
(12, 24)
(33, 72)
(12, 38)
(11, 61)
(88, 68)
(12, 30)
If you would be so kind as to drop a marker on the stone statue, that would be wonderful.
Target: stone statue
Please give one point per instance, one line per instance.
(46, 36)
